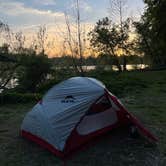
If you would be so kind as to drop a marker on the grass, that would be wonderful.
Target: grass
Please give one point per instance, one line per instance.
(143, 93)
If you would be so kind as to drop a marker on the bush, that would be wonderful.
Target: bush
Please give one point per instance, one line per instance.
(123, 83)
(33, 72)
(14, 98)
(43, 88)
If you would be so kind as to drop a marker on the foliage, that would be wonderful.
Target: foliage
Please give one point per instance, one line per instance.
(22, 63)
(42, 37)
(34, 71)
(15, 98)
(3, 26)
(8, 66)
(152, 32)
(109, 39)
(121, 84)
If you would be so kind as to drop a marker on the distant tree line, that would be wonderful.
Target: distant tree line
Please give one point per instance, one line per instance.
(111, 41)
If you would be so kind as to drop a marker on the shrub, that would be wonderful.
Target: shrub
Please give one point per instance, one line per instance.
(14, 98)
(43, 88)
(34, 71)
(123, 83)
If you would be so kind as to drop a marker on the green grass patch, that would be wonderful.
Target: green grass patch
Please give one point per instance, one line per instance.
(143, 93)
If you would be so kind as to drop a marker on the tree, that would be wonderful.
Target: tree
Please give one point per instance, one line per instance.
(75, 39)
(33, 72)
(8, 66)
(3, 27)
(152, 32)
(107, 38)
(71, 43)
(22, 62)
(117, 10)
(117, 13)
(4, 49)
(19, 43)
(80, 49)
(41, 39)
(143, 42)
(104, 38)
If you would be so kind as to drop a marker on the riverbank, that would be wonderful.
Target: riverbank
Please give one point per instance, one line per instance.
(143, 93)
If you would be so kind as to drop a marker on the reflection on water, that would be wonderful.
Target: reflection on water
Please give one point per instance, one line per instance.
(133, 67)
(11, 84)
(128, 67)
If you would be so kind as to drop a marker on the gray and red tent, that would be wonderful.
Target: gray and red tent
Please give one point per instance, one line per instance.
(73, 113)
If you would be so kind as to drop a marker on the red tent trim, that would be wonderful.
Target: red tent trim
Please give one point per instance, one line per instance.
(42, 143)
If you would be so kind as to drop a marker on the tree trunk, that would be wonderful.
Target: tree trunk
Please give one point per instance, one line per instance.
(80, 53)
(124, 63)
(116, 60)
(118, 64)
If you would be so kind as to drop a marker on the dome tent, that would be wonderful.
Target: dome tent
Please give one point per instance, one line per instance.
(73, 113)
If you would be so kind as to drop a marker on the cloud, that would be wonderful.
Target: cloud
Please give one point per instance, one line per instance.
(18, 8)
(17, 12)
(45, 2)
(86, 7)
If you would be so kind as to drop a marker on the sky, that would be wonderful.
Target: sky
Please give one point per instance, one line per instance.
(27, 15)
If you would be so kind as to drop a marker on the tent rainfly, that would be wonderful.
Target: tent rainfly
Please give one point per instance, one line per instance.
(74, 112)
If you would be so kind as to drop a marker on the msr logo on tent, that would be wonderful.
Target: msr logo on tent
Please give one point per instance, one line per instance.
(68, 99)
